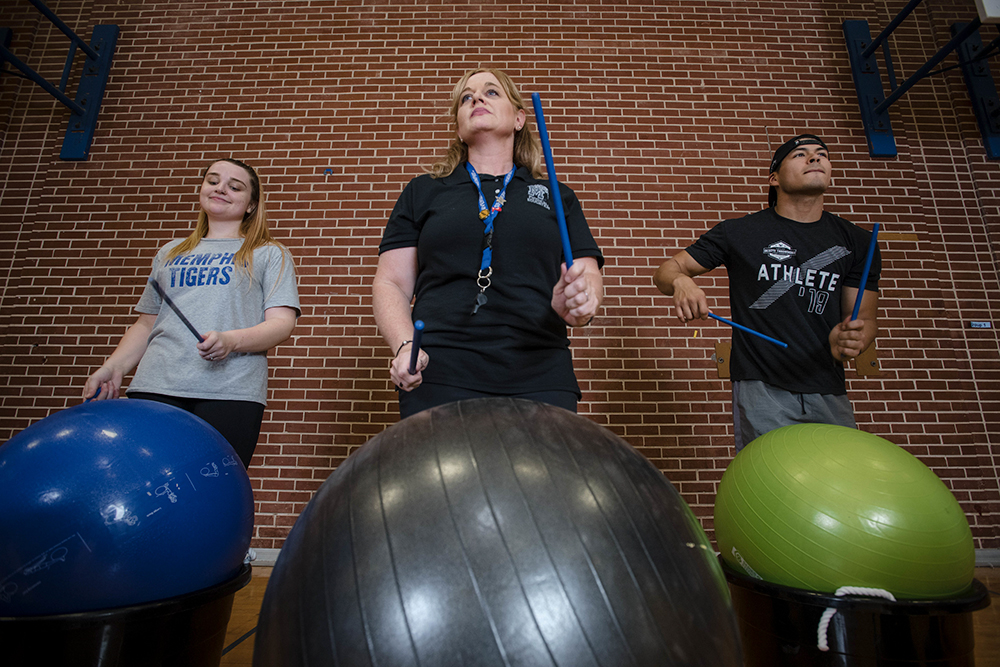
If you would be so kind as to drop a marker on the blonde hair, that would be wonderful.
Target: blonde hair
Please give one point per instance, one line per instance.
(253, 229)
(527, 149)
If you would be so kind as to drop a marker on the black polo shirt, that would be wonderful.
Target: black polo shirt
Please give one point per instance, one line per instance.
(515, 342)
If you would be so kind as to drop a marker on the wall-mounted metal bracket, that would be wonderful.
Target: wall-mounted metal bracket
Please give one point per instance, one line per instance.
(90, 90)
(868, 81)
(90, 94)
(868, 85)
(982, 90)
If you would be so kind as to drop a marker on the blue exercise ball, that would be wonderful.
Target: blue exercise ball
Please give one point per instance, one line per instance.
(497, 532)
(118, 502)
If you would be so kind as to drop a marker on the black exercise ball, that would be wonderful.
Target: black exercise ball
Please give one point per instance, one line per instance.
(497, 532)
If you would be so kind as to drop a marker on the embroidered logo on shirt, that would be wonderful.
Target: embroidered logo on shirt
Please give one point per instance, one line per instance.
(538, 194)
(779, 251)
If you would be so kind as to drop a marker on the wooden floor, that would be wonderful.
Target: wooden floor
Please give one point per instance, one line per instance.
(247, 606)
(246, 609)
(987, 621)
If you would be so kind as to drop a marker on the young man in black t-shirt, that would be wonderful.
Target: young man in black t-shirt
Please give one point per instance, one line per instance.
(794, 275)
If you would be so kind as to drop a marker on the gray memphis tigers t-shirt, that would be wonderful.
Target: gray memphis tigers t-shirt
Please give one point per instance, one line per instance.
(214, 295)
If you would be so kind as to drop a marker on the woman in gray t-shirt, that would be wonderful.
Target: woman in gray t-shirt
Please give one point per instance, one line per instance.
(236, 286)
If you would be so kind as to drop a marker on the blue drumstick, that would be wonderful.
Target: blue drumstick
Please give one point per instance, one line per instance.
(553, 182)
(418, 332)
(173, 307)
(96, 394)
(864, 272)
(748, 330)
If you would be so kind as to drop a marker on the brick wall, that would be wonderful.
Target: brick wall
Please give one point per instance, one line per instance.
(662, 115)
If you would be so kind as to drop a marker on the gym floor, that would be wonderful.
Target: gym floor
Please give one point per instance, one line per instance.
(246, 608)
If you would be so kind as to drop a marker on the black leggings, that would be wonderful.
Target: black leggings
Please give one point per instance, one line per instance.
(432, 395)
(237, 421)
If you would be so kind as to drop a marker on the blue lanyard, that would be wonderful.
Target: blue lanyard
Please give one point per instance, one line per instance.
(488, 215)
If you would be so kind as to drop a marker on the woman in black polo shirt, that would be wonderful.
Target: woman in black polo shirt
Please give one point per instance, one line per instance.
(474, 246)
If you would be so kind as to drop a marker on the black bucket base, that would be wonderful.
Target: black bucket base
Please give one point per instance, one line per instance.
(778, 627)
(187, 630)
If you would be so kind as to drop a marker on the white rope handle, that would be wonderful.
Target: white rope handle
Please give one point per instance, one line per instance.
(824, 621)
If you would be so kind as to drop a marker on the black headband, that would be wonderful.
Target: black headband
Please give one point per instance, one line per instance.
(792, 144)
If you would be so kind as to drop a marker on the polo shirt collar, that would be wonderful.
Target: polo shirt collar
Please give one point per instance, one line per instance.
(461, 175)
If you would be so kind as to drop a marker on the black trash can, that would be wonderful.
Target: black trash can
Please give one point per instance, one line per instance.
(184, 631)
(778, 627)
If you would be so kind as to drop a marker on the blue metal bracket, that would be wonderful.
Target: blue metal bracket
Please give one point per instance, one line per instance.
(90, 91)
(982, 90)
(874, 105)
(90, 94)
(868, 85)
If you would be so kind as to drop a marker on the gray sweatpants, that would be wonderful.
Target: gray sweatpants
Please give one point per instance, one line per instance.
(759, 407)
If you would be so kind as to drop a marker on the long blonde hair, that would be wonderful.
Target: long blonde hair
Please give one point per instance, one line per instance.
(527, 149)
(253, 229)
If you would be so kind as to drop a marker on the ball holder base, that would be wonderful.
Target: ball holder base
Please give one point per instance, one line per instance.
(778, 626)
(187, 630)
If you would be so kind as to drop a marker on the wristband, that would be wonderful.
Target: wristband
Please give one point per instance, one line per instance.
(401, 346)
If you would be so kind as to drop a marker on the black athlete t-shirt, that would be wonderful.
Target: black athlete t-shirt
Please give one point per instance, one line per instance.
(515, 342)
(785, 281)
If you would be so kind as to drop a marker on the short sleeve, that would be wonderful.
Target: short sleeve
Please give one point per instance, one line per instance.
(150, 301)
(402, 230)
(861, 241)
(280, 288)
(712, 248)
(582, 240)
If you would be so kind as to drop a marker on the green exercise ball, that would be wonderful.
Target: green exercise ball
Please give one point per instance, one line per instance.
(817, 507)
